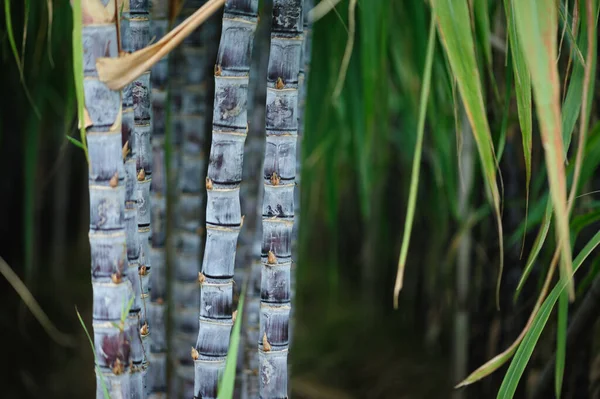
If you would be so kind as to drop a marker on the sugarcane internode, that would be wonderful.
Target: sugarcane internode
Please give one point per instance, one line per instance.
(278, 201)
(111, 286)
(224, 176)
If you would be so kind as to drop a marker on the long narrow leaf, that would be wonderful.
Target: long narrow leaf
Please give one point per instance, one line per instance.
(523, 95)
(537, 28)
(416, 166)
(454, 25)
(11, 38)
(561, 342)
(519, 362)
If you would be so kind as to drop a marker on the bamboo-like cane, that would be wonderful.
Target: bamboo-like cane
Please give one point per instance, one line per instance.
(278, 202)
(112, 290)
(136, 33)
(138, 353)
(223, 212)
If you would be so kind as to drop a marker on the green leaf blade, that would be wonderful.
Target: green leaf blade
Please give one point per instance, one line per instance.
(454, 26)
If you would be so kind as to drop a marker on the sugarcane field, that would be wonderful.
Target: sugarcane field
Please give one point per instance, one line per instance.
(306, 199)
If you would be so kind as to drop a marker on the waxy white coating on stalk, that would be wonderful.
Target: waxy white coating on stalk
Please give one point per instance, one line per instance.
(135, 34)
(278, 203)
(223, 212)
(111, 286)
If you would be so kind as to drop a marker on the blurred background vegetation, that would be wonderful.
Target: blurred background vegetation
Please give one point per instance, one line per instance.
(358, 151)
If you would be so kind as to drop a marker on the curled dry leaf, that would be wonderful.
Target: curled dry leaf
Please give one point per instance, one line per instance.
(234, 316)
(118, 72)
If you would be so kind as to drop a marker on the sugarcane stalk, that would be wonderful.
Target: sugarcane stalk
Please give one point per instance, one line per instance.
(278, 201)
(136, 34)
(223, 210)
(157, 313)
(112, 290)
(131, 217)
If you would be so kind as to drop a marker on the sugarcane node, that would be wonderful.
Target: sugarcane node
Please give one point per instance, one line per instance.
(266, 344)
(114, 181)
(218, 70)
(125, 151)
(275, 179)
(116, 278)
(271, 258)
(201, 277)
(118, 367)
(144, 330)
(279, 84)
(209, 184)
(234, 316)
(141, 175)
(195, 354)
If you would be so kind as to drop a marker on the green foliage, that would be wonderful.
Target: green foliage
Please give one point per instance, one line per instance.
(383, 156)
(414, 179)
(454, 26)
(518, 364)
